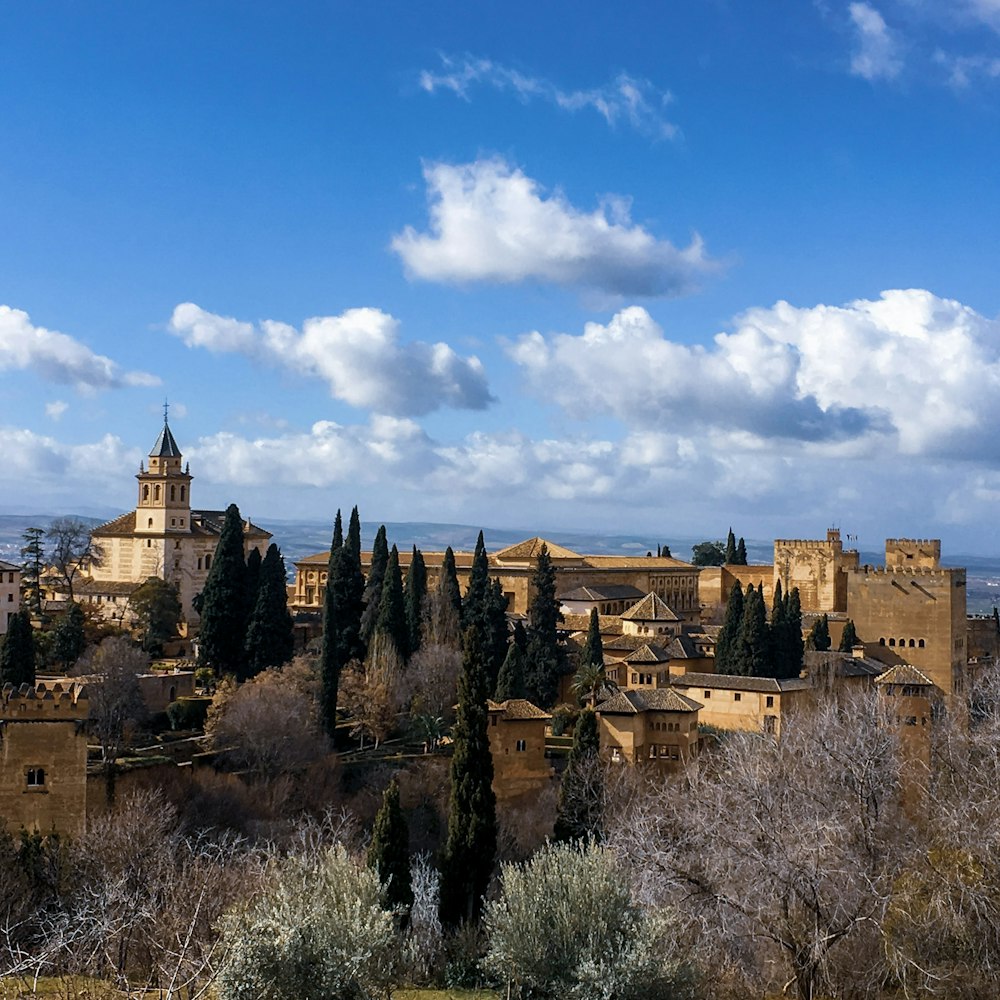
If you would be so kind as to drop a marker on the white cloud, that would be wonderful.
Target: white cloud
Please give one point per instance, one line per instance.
(627, 99)
(56, 409)
(490, 222)
(358, 354)
(877, 55)
(909, 374)
(964, 70)
(57, 357)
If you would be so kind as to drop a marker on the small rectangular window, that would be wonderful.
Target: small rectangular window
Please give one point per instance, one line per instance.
(708, 694)
(522, 745)
(36, 777)
(737, 696)
(769, 701)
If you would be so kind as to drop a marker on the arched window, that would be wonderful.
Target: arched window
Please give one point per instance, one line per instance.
(145, 491)
(912, 643)
(150, 524)
(156, 492)
(881, 641)
(173, 492)
(920, 643)
(892, 642)
(199, 562)
(36, 777)
(182, 494)
(208, 562)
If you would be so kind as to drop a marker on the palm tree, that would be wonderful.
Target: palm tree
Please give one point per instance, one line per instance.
(591, 681)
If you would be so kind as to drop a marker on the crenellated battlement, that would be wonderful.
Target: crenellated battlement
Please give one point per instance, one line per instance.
(905, 542)
(46, 700)
(914, 571)
(806, 543)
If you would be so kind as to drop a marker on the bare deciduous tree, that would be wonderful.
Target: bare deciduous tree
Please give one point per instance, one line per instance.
(71, 549)
(373, 693)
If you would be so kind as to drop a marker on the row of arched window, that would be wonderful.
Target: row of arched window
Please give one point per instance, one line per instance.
(911, 643)
(156, 492)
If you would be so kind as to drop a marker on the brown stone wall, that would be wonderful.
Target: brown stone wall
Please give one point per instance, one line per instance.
(514, 768)
(818, 568)
(59, 748)
(916, 617)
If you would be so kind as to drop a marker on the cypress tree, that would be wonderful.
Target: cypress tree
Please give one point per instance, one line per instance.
(520, 636)
(222, 632)
(391, 619)
(593, 650)
(776, 633)
(849, 637)
(389, 851)
(741, 553)
(416, 590)
(251, 583)
(725, 644)
(731, 548)
(17, 651)
(477, 593)
(497, 632)
(448, 582)
(754, 641)
(270, 640)
(373, 585)
(793, 623)
(544, 655)
(342, 599)
(578, 815)
(338, 535)
(68, 639)
(32, 566)
(510, 683)
(469, 851)
(819, 635)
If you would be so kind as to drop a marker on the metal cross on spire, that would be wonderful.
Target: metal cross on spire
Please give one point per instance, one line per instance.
(166, 406)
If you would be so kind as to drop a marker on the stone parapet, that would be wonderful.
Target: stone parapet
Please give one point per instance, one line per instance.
(43, 701)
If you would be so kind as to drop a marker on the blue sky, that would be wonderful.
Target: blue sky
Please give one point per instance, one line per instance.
(656, 266)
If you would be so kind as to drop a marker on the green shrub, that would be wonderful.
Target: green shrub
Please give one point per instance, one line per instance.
(188, 713)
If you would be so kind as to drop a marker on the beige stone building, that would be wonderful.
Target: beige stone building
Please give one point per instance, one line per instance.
(10, 592)
(163, 537)
(517, 743)
(755, 704)
(659, 726)
(673, 581)
(43, 757)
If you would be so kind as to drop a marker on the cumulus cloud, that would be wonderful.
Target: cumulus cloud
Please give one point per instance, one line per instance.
(490, 222)
(57, 357)
(358, 354)
(877, 52)
(56, 409)
(625, 99)
(910, 373)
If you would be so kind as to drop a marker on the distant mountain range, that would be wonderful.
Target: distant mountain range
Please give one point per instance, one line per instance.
(300, 538)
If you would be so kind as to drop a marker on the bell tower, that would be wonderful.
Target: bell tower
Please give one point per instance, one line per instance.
(164, 505)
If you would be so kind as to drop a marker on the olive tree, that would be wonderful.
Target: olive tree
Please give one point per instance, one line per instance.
(317, 931)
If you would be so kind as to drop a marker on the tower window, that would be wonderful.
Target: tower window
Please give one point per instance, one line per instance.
(156, 492)
(208, 562)
(36, 777)
(150, 524)
(145, 491)
(182, 494)
(173, 493)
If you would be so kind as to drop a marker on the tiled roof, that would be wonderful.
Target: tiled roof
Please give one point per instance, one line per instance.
(905, 673)
(203, 522)
(7, 567)
(653, 700)
(609, 592)
(531, 547)
(683, 648)
(650, 609)
(166, 446)
(116, 588)
(123, 525)
(843, 664)
(607, 624)
(737, 682)
(518, 709)
(625, 643)
(648, 653)
(637, 562)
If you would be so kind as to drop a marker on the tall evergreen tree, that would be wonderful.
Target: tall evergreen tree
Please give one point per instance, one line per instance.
(753, 644)
(849, 637)
(251, 583)
(338, 535)
(731, 548)
(373, 585)
(32, 566)
(389, 851)
(545, 658)
(470, 849)
(222, 633)
(497, 631)
(448, 582)
(795, 646)
(593, 650)
(68, 639)
(819, 634)
(17, 651)
(476, 597)
(415, 592)
(519, 636)
(391, 619)
(342, 602)
(741, 553)
(725, 644)
(270, 641)
(510, 683)
(578, 815)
